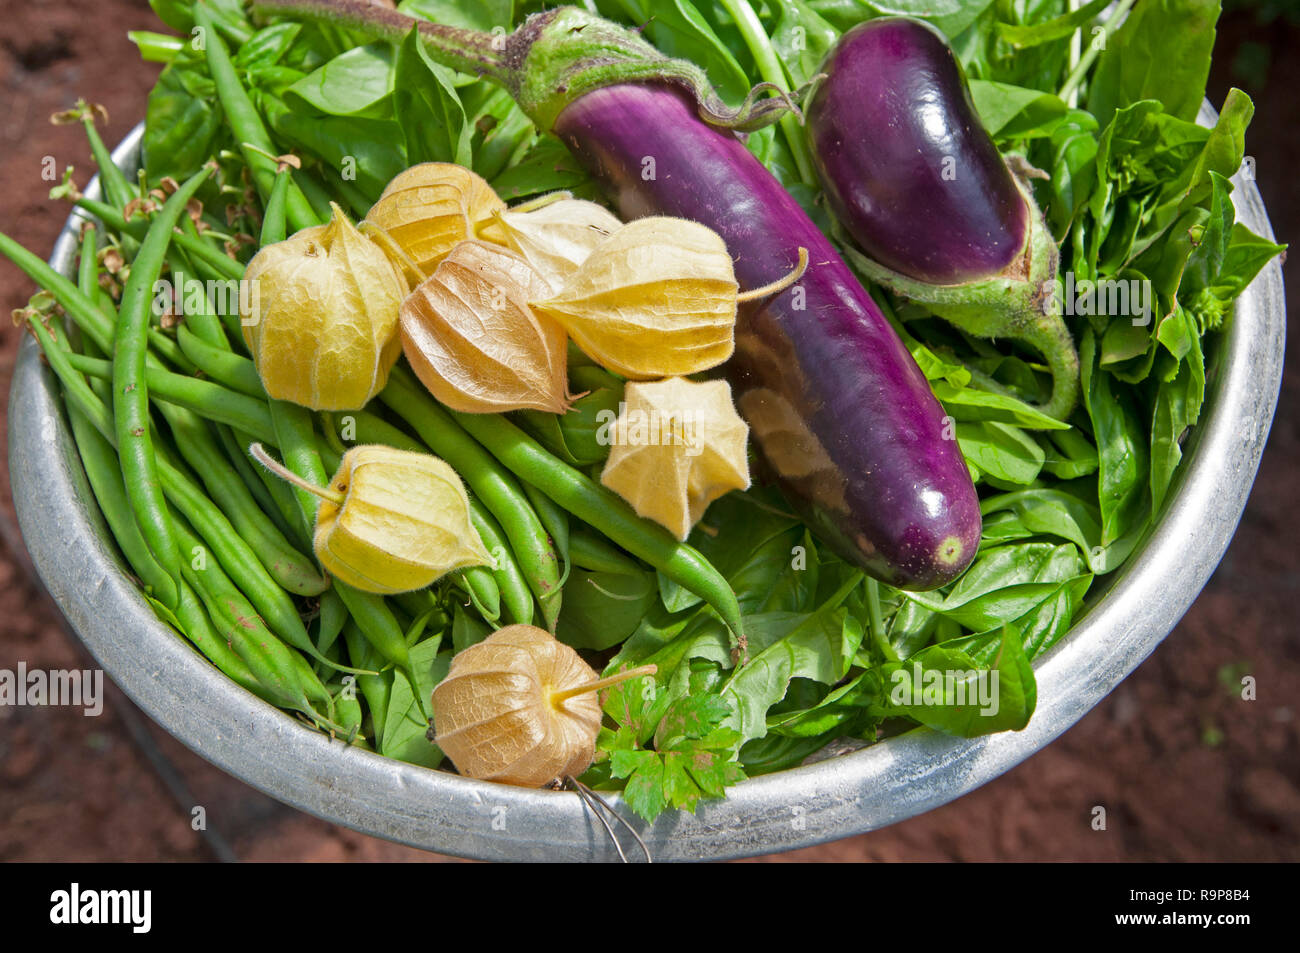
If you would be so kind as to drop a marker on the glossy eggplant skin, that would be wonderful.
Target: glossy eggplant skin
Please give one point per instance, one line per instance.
(844, 417)
(906, 165)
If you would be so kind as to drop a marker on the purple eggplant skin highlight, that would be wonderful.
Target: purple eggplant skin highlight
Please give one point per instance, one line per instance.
(842, 413)
(906, 165)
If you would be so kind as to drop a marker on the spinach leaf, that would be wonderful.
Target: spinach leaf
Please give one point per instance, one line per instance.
(821, 648)
(1121, 445)
(601, 609)
(428, 108)
(183, 120)
(1161, 52)
(1022, 36)
(405, 728)
(1004, 452)
(356, 83)
(802, 39)
(944, 688)
(757, 555)
(678, 29)
(1013, 112)
(546, 167)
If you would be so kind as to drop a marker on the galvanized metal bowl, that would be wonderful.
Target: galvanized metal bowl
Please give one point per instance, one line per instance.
(833, 798)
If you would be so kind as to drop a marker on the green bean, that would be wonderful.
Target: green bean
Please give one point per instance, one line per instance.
(515, 598)
(369, 428)
(201, 321)
(130, 387)
(101, 465)
(415, 603)
(102, 472)
(607, 512)
(333, 616)
(286, 504)
(318, 197)
(202, 252)
(225, 367)
(347, 711)
(84, 311)
(88, 265)
(295, 435)
(592, 553)
(246, 123)
(377, 689)
(82, 303)
(554, 519)
(235, 555)
(269, 659)
(289, 568)
(273, 223)
(228, 547)
(238, 456)
(377, 623)
(497, 489)
(481, 586)
(111, 179)
(206, 398)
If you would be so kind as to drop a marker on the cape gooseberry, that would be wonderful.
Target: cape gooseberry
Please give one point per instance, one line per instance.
(429, 209)
(656, 299)
(474, 342)
(676, 447)
(555, 233)
(321, 322)
(390, 520)
(521, 708)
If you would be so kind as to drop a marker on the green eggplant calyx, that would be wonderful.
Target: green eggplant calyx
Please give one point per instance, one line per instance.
(1018, 302)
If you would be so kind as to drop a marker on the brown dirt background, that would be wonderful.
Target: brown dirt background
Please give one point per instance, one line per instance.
(1186, 769)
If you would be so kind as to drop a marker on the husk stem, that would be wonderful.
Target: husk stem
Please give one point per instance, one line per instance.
(258, 453)
(558, 698)
(1017, 304)
(550, 60)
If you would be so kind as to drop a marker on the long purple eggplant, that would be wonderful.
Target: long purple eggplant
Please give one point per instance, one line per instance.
(842, 413)
(939, 215)
(844, 417)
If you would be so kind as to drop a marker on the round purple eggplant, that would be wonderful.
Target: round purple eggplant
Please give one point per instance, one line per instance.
(937, 213)
(907, 167)
(844, 417)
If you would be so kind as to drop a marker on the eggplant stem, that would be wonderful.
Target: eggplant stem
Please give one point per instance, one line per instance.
(780, 284)
(469, 51)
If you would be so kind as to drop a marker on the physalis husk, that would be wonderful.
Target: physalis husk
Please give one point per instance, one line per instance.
(321, 318)
(521, 708)
(676, 447)
(555, 234)
(471, 337)
(394, 521)
(430, 208)
(656, 299)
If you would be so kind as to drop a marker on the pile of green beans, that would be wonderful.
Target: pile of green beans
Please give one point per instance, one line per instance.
(163, 414)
